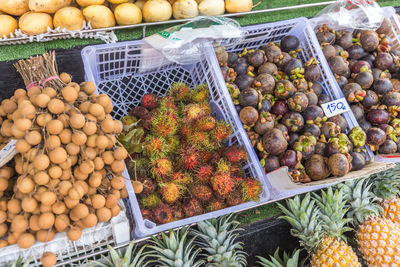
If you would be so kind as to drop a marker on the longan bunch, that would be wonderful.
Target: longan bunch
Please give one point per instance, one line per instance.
(69, 167)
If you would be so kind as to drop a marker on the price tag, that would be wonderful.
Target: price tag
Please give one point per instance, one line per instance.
(335, 107)
(8, 152)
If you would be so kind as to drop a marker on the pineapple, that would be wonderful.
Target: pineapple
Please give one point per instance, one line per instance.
(377, 237)
(19, 263)
(174, 250)
(286, 261)
(119, 260)
(217, 237)
(319, 224)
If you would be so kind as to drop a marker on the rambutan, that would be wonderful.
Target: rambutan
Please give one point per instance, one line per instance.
(234, 198)
(200, 94)
(178, 213)
(162, 168)
(164, 125)
(199, 140)
(203, 173)
(192, 208)
(168, 103)
(188, 158)
(221, 132)
(205, 106)
(149, 101)
(147, 214)
(145, 122)
(156, 147)
(181, 177)
(179, 91)
(170, 192)
(173, 142)
(150, 201)
(163, 214)
(236, 170)
(235, 154)
(141, 165)
(206, 124)
(223, 166)
(205, 156)
(139, 112)
(193, 112)
(222, 183)
(237, 180)
(251, 189)
(215, 204)
(201, 192)
(149, 186)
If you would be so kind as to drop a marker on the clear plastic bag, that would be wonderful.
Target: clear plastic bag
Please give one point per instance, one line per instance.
(183, 43)
(351, 14)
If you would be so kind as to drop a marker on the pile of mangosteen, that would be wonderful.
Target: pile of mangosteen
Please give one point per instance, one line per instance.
(278, 99)
(367, 70)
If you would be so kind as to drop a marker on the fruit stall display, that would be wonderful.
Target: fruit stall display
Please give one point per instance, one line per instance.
(365, 64)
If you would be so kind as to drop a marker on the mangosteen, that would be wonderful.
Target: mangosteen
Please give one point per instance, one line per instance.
(391, 99)
(269, 68)
(249, 97)
(306, 145)
(244, 81)
(340, 121)
(382, 86)
(139, 112)
(271, 163)
(311, 70)
(312, 98)
(341, 80)
(283, 128)
(344, 39)
(238, 108)
(229, 74)
(368, 58)
(320, 148)
(301, 84)
(357, 137)
(383, 61)
(389, 130)
(293, 138)
(339, 144)
(265, 105)
(293, 121)
(222, 55)
(398, 146)
(338, 65)
(395, 85)
(289, 43)
(313, 114)
(317, 88)
(377, 116)
(274, 142)
(294, 67)
(298, 102)
(265, 122)
(338, 164)
(351, 63)
(338, 49)
(375, 138)
(280, 107)
(248, 116)
(353, 92)
(355, 51)
(284, 89)
(272, 52)
(364, 79)
(234, 92)
(240, 66)
(369, 40)
(317, 167)
(232, 57)
(358, 111)
(285, 59)
(370, 99)
(377, 73)
(329, 51)
(365, 125)
(330, 129)
(311, 129)
(265, 83)
(385, 28)
(388, 147)
(360, 66)
(291, 159)
(256, 57)
(325, 35)
(357, 161)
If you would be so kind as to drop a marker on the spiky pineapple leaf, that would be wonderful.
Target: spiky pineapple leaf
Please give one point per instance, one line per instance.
(287, 260)
(387, 183)
(18, 263)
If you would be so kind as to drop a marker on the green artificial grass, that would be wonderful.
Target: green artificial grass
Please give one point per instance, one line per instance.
(25, 50)
(258, 213)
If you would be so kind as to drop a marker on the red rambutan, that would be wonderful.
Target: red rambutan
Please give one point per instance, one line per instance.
(179, 91)
(223, 166)
(150, 201)
(149, 186)
(206, 124)
(192, 208)
(221, 132)
(147, 214)
(150, 101)
(203, 173)
(163, 214)
(168, 103)
(162, 168)
(170, 192)
(234, 198)
(178, 213)
(185, 130)
(235, 154)
(189, 158)
(199, 140)
(139, 112)
(193, 112)
(216, 204)
(155, 147)
(164, 125)
(251, 189)
(205, 156)
(222, 183)
(200, 94)
(181, 177)
(201, 192)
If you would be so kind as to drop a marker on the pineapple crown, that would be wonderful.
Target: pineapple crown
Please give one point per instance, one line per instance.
(117, 259)
(303, 216)
(286, 261)
(332, 213)
(387, 184)
(174, 249)
(361, 201)
(18, 263)
(217, 237)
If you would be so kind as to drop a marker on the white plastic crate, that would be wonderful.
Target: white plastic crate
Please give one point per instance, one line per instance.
(258, 35)
(126, 71)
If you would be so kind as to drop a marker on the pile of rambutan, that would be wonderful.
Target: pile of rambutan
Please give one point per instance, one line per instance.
(185, 167)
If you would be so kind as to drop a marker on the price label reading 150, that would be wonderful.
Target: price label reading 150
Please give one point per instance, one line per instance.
(335, 107)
